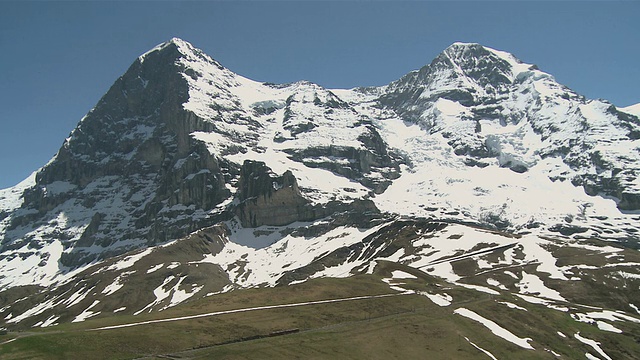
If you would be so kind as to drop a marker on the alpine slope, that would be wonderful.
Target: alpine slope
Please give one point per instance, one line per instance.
(477, 169)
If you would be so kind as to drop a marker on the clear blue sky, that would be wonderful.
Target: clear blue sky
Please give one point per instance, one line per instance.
(59, 58)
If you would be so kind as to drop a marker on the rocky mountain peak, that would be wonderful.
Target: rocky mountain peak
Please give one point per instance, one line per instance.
(466, 73)
(129, 163)
(184, 48)
(483, 65)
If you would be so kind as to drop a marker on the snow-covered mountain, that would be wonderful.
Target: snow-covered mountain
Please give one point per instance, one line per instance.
(632, 109)
(217, 182)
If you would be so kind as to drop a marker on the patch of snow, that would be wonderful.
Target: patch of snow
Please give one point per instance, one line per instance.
(533, 299)
(87, 313)
(554, 353)
(558, 307)
(116, 285)
(512, 305)
(24, 267)
(173, 265)
(594, 344)
(397, 274)
(401, 289)
(483, 289)
(160, 294)
(496, 283)
(50, 321)
(180, 295)
(339, 271)
(438, 299)
(175, 294)
(532, 284)
(607, 327)
(481, 349)
(443, 270)
(371, 266)
(154, 268)
(495, 328)
(453, 244)
(249, 267)
(591, 317)
(510, 273)
(627, 275)
(128, 261)
(113, 287)
(540, 301)
(632, 109)
(78, 296)
(295, 282)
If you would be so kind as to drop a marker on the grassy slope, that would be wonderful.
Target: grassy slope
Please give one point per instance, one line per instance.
(401, 327)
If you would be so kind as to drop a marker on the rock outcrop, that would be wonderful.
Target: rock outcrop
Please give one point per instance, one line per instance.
(269, 199)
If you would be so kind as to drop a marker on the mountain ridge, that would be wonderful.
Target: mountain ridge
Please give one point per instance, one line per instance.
(632, 109)
(238, 129)
(185, 168)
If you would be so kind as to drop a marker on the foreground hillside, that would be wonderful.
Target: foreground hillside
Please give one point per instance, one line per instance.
(473, 288)
(430, 318)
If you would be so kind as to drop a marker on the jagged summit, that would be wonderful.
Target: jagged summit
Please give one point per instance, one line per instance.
(460, 50)
(468, 70)
(174, 41)
(480, 69)
(184, 47)
(180, 42)
(462, 43)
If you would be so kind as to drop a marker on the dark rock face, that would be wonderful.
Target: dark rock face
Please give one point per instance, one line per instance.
(128, 169)
(269, 199)
(567, 230)
(449, 77)
(411, 95)
(275, 200)
(143, 102)
(359, 164)
(364, 158)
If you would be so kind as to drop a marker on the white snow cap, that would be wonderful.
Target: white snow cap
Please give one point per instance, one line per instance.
(633, 109)
(184, 47)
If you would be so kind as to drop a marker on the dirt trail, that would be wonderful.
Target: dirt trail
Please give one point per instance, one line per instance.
(216, 313)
